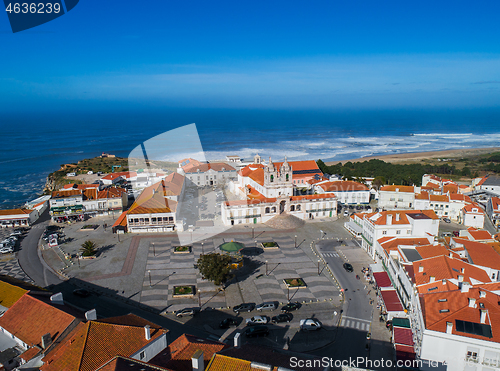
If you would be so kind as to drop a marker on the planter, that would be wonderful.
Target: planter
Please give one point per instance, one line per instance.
(269, 245)
(88, 257)
(295, 283)
(182, 249)
(187, 291)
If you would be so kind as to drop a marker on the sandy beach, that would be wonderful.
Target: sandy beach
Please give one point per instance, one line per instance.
(419, 156)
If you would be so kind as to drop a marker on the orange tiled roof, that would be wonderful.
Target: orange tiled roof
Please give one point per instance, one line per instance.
(123, 174)
(224, 363)
(152, 199)
(16, 212)
(482, 254)
(177, 355)
(423, 195)
(80, 186)
(298, 168)
(398, 188)
(66, 193)
(495, 203)
(30, 318)
(450, 188)
(444, 267)
(92, 344)
(312, 197)
(442, 307)
(392, 243)
(437, 286)
(120, 363)
(479, 234)
(429, 251)
(439, 198)
(343, 186)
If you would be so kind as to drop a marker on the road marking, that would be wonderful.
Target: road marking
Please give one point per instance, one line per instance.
(358, 319)
(331, 255)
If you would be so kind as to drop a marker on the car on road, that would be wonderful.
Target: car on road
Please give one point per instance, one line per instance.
(6, 250)
(244, 307)
(268, 305)
(187, 312)
(257, 331)
(446, 220)
(346, 213)
(309, 324)
(348, 267)
(283, 317)
(82, 293)
(228, 322)
(257, 320)
(290, 307)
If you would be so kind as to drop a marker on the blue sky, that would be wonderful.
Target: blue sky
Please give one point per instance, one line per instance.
(258, 54)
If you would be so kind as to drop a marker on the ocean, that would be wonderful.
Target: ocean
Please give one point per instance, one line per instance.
(36, 144)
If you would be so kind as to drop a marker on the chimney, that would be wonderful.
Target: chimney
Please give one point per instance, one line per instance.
(397, 217)
(91, 315)
(482, 294)
(462, 270)
(449, 327)
(197, 361)
(237, 340)
(46, 340)
(484, 312)
(147, 332)
(465, 287)
(389, 219)
(432, 279)
(420, 268)
(57, 298)
(460, 278)
(472, 302)
(443, 281)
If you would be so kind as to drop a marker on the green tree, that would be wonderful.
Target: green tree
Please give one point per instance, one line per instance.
(215, 267)
(89, 248)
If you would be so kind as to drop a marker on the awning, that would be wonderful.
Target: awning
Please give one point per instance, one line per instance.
(382, 279)
(402, 336)
(401, 322)
(391, 301)
(404, 352)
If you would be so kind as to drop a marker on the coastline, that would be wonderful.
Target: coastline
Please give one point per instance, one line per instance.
(413, 157)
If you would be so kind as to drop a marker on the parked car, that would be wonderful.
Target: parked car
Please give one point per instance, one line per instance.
(283, 317)
(257, 320)
(82, 293)
(228, 322)
(348, 267)
(6, 250)
(268, 305)
(257, 331)
(244, 307)
(290, 307)
(16, 233)
(446, 220)
(309, 324)
(187, 312)
(346, 213)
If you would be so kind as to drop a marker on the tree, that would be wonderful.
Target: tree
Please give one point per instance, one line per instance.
(215, 267)
(89, 248)
(378, 182)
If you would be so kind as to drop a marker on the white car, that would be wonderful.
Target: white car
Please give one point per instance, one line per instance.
(346, 213)
(257, 320)
(309, 324)
(6, 250)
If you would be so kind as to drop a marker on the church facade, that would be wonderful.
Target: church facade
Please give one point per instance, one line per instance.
(267, 190)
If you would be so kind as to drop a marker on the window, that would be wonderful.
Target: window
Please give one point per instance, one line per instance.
(273, 209)
(287, 177)
(297, 208)
(142, 355)
(398, 231)
(268, 210)
(272, 178)
(384, 232)
(292, 208)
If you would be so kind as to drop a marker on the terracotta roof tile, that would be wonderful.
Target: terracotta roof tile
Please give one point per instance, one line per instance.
(177, 355)
(120, 363)
(92, 344)
(398, 188)
(30, 318)
(9, 294)
(343, 186)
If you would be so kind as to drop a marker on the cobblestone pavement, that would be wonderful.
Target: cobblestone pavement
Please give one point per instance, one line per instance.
(10, 267)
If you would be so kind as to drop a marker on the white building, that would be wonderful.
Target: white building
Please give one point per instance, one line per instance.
(490, 183)
(493, 210)
(401, 223)
(18, 217)
(206, 173)
(397, 197)
(347, 192)
(267, 191)
(472, 216)
(156, 209)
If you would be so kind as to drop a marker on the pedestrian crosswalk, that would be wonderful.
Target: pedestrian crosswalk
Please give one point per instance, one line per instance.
(358, 324)
(330, 254)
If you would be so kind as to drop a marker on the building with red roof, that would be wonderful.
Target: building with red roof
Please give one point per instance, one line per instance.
(493, 210)
(397, 197)
(347, 192)
(18, 217)
(206, 173)
(266, 191)
(472, 215)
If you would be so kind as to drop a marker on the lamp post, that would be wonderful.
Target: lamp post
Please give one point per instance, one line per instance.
(154, 251)
(202, 249)
(288, 293)
(199, 298)
(149, 273)
(318, 266)
(266, 268)
(295, 241)
(253, 233)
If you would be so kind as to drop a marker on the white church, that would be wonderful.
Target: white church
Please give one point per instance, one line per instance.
(267, 190)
